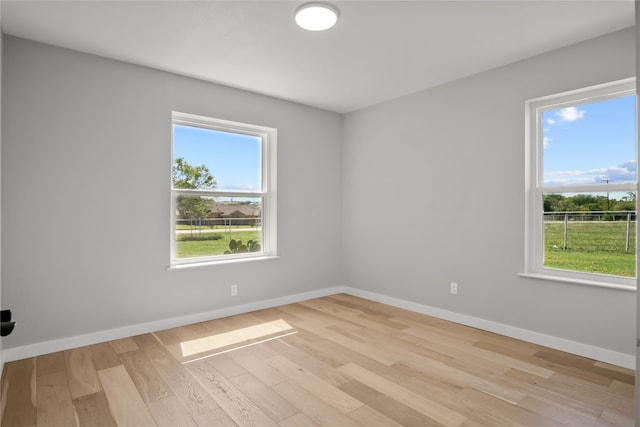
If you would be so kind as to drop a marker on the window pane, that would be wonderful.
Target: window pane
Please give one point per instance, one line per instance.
(591, 232)
(206, 226)
(232, 159)
(591, 143)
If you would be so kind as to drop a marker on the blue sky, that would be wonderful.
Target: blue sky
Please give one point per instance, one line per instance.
(233, 159)
(591, 143)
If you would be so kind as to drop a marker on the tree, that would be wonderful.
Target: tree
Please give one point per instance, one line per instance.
(192, 177)
(626, 203)
(552, 202)
(588, 202)
(185, 176)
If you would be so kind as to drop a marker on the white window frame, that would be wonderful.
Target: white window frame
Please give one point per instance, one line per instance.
(534, 184)
(267, 193)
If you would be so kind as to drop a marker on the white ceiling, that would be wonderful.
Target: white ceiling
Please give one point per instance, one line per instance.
(379, 50)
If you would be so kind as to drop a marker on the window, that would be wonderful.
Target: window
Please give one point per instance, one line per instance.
(581, 184)
(223, 204)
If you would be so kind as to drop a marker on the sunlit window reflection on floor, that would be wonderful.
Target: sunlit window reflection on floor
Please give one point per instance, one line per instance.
(238, 338)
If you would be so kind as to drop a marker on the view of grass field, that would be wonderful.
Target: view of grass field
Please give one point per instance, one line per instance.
(201, 243)
(592, 246)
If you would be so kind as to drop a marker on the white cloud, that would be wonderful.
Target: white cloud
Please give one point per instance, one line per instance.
(623, 172)
(235, 187)
(551, 121)
(570, 114)
(545, 142)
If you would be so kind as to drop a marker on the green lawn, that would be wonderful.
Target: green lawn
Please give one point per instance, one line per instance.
(592, 246)
(203, 244)
(595, 247)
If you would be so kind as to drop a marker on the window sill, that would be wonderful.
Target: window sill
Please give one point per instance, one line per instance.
(220, 262)
(577, 281)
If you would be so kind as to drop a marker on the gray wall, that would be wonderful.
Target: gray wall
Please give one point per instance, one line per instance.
(85, 195)
(433, 192)
(1, 306)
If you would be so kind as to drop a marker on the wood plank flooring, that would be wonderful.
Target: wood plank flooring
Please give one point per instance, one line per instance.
(338, 361)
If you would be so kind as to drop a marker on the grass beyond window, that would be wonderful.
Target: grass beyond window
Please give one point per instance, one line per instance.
(591, 246)
(200, 243)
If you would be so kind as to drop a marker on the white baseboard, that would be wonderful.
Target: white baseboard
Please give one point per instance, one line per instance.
(47, 347)
(602, 354)
(585, 350)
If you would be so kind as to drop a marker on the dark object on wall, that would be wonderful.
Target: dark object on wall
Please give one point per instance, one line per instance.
(6, 326)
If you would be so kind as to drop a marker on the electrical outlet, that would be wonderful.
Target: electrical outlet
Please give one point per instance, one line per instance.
(454, 288)
(234, 290)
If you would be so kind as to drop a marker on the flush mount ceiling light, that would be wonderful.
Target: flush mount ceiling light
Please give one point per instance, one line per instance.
(316, 16)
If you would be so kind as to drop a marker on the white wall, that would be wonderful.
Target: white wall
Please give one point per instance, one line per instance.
(85, 195)
(433, 192)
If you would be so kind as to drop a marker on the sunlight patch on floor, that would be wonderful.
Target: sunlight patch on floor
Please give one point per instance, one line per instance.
(226, 339)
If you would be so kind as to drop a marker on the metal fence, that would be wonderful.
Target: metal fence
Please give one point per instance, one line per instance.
(612, 231)
(224, 223)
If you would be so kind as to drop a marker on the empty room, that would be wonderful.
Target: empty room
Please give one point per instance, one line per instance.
(303, 214)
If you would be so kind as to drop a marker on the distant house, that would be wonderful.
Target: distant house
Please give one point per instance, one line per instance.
(223, 211)
(234, 215)
(234, 211)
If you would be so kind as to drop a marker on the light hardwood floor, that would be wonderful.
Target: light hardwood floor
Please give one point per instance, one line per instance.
(338, 361)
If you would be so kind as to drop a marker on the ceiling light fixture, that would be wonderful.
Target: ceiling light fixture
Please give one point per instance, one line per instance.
(316, 16)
